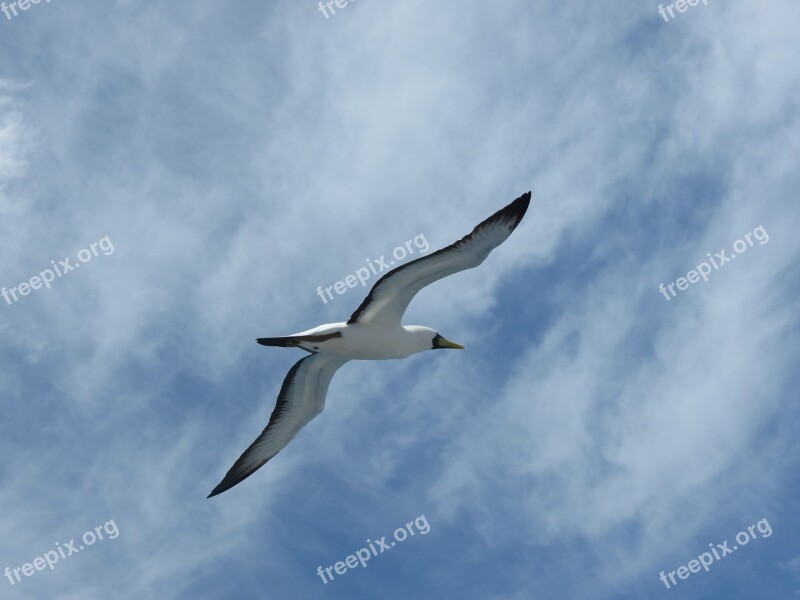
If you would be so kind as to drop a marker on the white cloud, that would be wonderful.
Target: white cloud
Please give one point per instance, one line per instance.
(239, 161)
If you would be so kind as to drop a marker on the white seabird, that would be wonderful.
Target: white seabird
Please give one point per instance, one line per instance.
(374, 332)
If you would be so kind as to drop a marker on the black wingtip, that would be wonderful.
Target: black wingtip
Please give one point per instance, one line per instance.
(221, 487)
(229, 481)
(517, 209)
(233, 477)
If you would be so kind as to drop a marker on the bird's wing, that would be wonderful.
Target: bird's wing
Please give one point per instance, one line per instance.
(302, 397)
(391, 295)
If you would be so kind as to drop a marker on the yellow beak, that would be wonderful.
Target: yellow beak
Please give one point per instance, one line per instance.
(445, 343)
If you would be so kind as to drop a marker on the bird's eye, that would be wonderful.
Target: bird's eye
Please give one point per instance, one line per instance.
(316, 347)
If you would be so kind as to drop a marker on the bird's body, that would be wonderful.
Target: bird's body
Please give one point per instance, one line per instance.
(363, 341)
(374, 332)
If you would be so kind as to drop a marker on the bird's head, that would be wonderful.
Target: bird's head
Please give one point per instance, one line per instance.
(439, 341)
(420, 339)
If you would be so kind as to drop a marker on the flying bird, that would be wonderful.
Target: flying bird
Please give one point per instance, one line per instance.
(374, 332)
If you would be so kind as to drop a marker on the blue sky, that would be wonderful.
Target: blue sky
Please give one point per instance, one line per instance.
(238, 156)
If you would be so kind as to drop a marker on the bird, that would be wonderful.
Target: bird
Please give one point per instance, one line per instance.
(373, 332)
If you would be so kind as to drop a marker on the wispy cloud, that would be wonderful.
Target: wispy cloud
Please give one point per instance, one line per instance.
(239, 157)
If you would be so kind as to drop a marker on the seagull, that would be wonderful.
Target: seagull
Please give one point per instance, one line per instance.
(374, 332)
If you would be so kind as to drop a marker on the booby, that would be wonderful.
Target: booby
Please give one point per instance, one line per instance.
(373, 332)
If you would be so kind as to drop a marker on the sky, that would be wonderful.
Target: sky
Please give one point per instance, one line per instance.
(204, 169)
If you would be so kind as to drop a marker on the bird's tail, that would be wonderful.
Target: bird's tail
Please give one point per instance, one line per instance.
(284, 342)
(293, 341)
